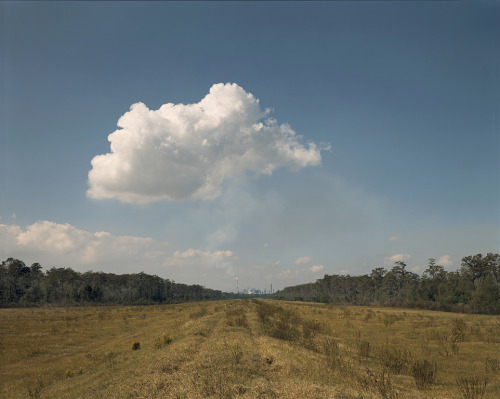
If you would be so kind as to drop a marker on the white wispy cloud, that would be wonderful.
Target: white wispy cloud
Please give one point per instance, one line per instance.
(445, 261)
(304, 260)
(316, 268)
(186, 151)
(206, 259)
(389, 260)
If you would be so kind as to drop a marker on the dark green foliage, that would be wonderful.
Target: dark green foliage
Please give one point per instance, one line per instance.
(22, 285)
(474, 288)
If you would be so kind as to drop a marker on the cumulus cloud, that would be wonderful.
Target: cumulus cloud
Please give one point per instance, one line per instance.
(445, 261)
(389, 260)
(303, 260)
(186, 151)
(63, 245)
(69, 244)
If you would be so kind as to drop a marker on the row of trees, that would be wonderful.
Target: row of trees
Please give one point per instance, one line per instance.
(23, 285)
(474, 287)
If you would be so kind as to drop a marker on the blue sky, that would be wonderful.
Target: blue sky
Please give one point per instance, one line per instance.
(395, 109)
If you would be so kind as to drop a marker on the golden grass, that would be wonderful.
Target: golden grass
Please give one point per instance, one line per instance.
(247, 349)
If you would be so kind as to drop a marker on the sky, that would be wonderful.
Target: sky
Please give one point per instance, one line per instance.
(275, 142)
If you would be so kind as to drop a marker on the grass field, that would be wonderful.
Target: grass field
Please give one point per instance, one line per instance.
(248, 349)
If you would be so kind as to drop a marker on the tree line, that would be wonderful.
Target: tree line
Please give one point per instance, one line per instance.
(23, 285)
(474, 287)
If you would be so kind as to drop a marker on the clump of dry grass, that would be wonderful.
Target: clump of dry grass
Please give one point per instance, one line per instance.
(236, 317)
(472, 386)
(34, 391)
(332, 353)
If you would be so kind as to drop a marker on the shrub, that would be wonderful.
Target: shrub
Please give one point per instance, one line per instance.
(369, 314)
(424, 373)
(284, 328)
(203, 311)
(332, 352)
(492, 365)
(472, 387)
(136, 345)
(458, 330)
(236, 354)
(35, 391)
(310, 328)
(166, 339)
(363, 348)
(236, 317)
(381, 384)
(389, 320)
(393, 359)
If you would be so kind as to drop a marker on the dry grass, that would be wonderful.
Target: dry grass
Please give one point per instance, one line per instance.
(247, 349)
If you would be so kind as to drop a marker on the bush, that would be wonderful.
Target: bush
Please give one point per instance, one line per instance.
(236, 317)
(363, 348)
(332, 352)
(166, 339)
(458, 330)
(136, 345)
(381, 384)
(424, 373)
(393, 359)
(472, 387)
(310, 328)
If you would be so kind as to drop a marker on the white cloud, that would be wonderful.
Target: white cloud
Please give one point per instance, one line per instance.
(303, 260)
(186, 151)
(71, 245)
(63, 245)
(204, 259)
(389, 260)
(393, 238)
(316, 268)
(445, 261)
